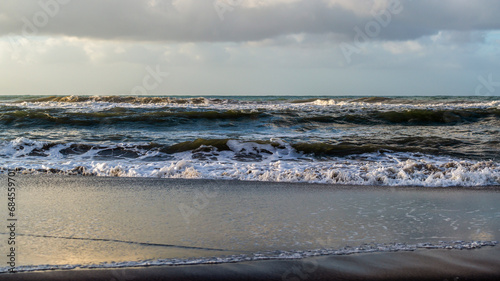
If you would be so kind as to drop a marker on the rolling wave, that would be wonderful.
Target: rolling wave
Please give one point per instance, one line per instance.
(115, 116)
(406, 117)
(119, 115)
(351, 140)
(272, 160)
(147, 100)
(122, 99)
(258, 148)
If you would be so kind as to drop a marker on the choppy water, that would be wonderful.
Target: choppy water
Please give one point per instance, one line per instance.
(423, 141)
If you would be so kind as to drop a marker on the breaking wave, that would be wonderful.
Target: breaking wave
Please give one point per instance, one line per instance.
(423, 141)
(273, 160)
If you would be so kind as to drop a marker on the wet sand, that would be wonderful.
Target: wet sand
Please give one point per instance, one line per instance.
(71, 221)
(477, 264)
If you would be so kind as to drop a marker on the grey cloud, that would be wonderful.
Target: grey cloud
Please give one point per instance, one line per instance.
(137, 20)
(427, 17)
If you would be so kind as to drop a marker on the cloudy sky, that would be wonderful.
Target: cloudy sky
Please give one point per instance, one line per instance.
(250, 47)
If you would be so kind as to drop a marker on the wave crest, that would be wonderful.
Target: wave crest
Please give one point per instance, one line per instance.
(272, 160)
(126, 99)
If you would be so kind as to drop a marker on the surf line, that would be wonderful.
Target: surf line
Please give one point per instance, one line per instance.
(121, 241)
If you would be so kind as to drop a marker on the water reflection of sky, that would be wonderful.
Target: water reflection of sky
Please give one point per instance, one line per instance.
(118, 218)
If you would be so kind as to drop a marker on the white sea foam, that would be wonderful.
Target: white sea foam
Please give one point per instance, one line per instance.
(261, 161)
(316, 105)
(405, 106)
(254, 162)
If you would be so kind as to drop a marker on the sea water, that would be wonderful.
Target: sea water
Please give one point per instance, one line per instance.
(394, 141)
(82, 218)
(68, 222)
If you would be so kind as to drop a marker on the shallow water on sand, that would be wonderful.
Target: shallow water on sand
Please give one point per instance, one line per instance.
(87, 220)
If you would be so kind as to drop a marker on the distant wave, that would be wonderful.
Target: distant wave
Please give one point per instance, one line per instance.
(408, 116)
(442, 100)
(116, 115)
(123, 99)
(25, 116)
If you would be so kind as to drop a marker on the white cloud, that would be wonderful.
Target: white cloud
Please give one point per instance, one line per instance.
(250, 20)
(261, 47)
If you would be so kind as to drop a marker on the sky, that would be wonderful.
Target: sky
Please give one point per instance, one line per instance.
(250, 47)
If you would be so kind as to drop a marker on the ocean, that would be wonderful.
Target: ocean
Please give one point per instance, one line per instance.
(384, 141)
(111, 182)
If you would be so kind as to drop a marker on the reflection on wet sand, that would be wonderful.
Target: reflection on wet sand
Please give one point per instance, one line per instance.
(84, 221)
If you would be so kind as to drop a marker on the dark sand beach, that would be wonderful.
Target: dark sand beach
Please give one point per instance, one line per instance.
(97, 228)
(478, 264)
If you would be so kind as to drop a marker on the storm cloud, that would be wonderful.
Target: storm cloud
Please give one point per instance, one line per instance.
(250, 47)
(240, 20)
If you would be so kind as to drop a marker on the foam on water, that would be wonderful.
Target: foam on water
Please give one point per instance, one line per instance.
(364, 141)
(276, 161)
(97, 103)
(275, 255)
(404, 106)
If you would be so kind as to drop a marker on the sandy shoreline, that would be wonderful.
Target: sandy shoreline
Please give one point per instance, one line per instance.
(477, 264)
(71, 220)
